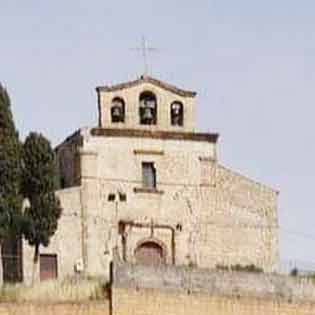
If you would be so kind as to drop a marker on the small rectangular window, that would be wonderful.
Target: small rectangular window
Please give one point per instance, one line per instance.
(111, 197)
(148, 175)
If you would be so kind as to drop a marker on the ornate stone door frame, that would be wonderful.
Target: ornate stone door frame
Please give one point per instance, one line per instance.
(152, 226)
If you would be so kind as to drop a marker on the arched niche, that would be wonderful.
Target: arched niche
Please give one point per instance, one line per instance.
(147, 108)
(177, 113)
(117, 110)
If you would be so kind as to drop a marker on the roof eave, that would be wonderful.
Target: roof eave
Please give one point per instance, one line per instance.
(146, 79)
(164, 135)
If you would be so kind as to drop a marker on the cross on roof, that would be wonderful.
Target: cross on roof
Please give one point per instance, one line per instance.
(145, 50)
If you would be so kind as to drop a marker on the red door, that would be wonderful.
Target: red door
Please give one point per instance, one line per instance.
(48, 267)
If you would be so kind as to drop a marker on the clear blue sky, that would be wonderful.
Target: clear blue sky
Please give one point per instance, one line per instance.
(251, 62)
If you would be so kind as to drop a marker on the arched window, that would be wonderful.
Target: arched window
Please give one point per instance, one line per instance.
(148, 108)
(177, 114)
(118, 110)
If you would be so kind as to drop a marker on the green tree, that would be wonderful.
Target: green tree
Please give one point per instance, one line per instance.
(10, 173)
(38, 182)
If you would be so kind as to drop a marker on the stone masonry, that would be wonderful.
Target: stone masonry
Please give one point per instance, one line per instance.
(199, 213)
(183, 290)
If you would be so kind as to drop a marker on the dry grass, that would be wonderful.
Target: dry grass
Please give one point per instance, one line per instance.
(56, 291)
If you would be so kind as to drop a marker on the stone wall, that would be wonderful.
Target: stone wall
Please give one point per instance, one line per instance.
(177, 291)
(235, 284)
(140, 290)
(239, 222)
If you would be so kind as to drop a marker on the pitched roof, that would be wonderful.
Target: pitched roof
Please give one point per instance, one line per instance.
(147, 79)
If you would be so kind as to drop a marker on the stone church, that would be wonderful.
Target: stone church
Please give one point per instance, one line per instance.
(145, 186)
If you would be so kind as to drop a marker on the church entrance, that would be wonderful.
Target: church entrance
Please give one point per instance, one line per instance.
(150, 253)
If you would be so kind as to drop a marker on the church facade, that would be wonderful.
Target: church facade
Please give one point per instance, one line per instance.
(146, 187)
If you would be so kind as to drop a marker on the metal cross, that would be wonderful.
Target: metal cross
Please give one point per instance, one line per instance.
(145, 50)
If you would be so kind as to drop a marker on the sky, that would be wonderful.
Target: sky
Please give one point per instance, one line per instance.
(251, 62)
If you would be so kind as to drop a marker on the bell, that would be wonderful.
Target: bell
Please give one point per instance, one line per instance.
(176, 108)
(116, 111)
(147, 114)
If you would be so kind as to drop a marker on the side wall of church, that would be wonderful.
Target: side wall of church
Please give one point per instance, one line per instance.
(164, 100)
(241, 225)
(67, 241)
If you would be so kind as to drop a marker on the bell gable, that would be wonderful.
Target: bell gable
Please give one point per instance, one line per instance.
(146, 103)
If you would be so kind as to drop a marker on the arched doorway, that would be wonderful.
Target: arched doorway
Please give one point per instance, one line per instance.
(150, 253)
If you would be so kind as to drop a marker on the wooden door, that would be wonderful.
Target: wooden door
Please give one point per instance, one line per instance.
(149, 253)
(48, 267)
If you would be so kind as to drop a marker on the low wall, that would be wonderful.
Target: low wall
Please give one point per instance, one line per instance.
(140, 290)
(55, 309)
(214, 282)
(176, 291)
